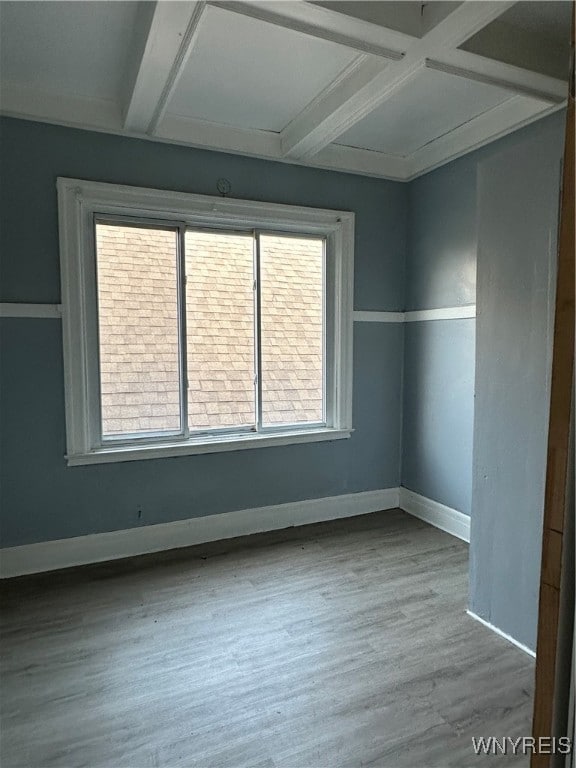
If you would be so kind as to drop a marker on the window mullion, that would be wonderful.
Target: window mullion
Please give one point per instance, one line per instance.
(183, 338)
(257, 333)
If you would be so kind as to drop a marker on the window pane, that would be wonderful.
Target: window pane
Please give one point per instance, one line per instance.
(220, 321)
(291, 293)
(138, 328)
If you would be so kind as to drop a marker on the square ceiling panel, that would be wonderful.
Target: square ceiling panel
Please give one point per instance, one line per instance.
(533, 35)
(430, 105)
(248, 73)
(65, 47)
(399, 15)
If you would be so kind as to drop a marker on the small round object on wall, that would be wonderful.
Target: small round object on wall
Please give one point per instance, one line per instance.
(223, 186)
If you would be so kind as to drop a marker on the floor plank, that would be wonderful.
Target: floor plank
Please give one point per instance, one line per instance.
(336, 645)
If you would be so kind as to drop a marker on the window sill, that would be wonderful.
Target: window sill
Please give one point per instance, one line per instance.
(218, 444)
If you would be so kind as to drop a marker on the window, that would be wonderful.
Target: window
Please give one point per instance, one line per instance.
(197, 324)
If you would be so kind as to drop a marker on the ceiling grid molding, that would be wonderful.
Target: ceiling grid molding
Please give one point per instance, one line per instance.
(518, 81)
(324, 121)
(386, 62)
(168, 45)
(279, 15)
(511, 115)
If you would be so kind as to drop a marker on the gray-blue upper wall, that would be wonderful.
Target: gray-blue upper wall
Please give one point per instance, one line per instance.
(442, 237)
(33, 155)
(441, 244)
(42, 498)
(434, 266)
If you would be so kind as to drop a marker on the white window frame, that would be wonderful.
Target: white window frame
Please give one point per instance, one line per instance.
(81, 202)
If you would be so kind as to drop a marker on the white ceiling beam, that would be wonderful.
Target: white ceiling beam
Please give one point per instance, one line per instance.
(216, 136)
(519, 81)
(158, 60)
(362, 161)
(340, 106)
(338, 109)
(254, 143)
(323, 24)
(512, 114)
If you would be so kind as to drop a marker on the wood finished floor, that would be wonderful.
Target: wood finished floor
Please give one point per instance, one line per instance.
(335, 645)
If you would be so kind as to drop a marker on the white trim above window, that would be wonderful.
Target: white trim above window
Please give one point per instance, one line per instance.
(82, 203)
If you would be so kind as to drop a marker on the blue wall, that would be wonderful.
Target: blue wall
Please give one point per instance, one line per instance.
(441, 245)
(42, 498)
(421, 373)
(439, 411)
(518, 195)
(439, 362)
(33, 155)
(439, 354)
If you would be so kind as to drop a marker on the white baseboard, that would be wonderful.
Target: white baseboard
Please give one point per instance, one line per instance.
(438, 515)
(98, 547)
(510, 639)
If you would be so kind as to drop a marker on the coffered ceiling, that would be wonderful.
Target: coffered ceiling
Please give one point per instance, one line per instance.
(388, 89)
